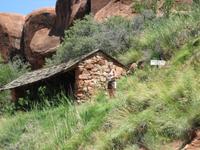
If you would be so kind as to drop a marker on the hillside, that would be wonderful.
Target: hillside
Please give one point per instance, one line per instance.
(22, 35)
(153, 109)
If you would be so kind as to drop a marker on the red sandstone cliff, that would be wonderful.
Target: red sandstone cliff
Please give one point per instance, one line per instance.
(103, 9)
(115, 8)
(44, 29)
(39, 34)
(67, 11)
(10, 34)
(38, 42)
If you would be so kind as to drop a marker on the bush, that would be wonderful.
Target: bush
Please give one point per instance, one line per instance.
(196, 1)
(112, 36)
(6, 105)
(168, 4)
(140, 5)
(8, 72)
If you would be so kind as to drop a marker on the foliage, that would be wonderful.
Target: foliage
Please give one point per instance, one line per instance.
(142, 37)
(86, 35)
(149, 109)
(140, 5)
(152, 107)
(8, 72)
(168, 5)
(197, 1)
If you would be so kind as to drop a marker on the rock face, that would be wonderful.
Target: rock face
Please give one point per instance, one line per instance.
(103, 9)
(92, 74)
(67, 11)
(38, 42)
(63, 12)
(115, 8)
(10, 35)
(97, 5)
(44, 29)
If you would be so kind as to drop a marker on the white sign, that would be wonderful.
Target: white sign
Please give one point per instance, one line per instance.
(154, 62)
(158, 63)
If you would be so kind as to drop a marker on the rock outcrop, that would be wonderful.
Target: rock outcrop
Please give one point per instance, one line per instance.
(103, 9)
(10, 35)
(115, 8)
(67, 11)
(38, 41)
(44, 29)
(195, 143)
(97, 5)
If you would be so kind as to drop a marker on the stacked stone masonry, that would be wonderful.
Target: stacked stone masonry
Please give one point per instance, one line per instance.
(92, 73)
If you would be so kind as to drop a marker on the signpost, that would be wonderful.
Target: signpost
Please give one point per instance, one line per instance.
(158, 62)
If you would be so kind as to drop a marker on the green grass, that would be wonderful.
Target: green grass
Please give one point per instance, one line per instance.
(153, 107)
(164, 100)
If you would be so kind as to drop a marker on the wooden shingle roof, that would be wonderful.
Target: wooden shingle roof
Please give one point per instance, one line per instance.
(42, 74)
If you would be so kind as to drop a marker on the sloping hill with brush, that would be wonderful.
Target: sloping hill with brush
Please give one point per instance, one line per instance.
(154, 108)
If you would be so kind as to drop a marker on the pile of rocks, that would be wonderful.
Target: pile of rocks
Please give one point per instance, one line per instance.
(92, 74)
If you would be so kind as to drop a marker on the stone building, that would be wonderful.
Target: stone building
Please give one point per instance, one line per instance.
(80, 77)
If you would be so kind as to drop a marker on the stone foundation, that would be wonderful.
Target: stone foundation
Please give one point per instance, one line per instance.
(92, 74)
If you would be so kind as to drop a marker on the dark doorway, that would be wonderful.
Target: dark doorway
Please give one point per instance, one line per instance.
(48, 90)
(69, 83)
(64, 82)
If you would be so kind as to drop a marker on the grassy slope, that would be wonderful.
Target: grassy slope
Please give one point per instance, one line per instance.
(152, 106)
(162, 100)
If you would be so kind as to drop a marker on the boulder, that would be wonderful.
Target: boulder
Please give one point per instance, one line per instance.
(10, 35)
(44, 29)
(38, 40)
(67, 11)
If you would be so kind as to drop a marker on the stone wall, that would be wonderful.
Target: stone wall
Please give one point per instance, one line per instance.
(96, 5)
(92, 74)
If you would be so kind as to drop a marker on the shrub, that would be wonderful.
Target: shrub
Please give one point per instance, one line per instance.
(78, 40)
(112, 36)
(168, 4)
(196, 1)
(130, 56)
(140, 5)
(8, 72)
